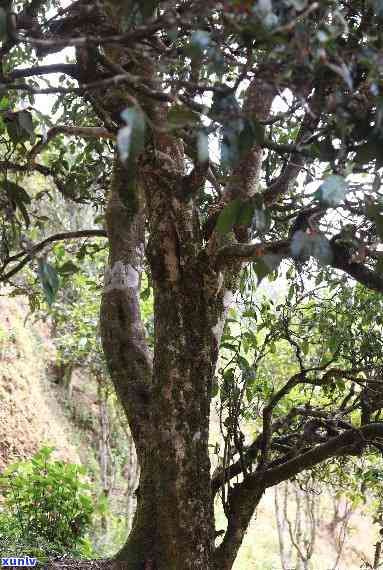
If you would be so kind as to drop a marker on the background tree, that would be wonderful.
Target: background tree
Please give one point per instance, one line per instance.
(291, 90)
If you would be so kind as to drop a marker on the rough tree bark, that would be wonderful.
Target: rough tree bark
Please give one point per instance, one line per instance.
(167, 397)
(167, 401)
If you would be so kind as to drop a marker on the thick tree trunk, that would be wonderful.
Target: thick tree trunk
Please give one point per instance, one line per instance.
(167, 400)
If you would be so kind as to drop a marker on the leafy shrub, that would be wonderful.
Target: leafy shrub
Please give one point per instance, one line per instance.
(47, 509)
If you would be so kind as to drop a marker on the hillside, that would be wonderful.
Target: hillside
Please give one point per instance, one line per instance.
(31, 407)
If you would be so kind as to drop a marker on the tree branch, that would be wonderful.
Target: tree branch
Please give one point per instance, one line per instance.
(15, 167)
(139, 33)
(84, 132)
(341, 260)
(371, 279)
(224, 475)
(249, 252)
(66, 68)
(245, 496)
(336, 446)
(40, 246)
(136, 82)
(309, 123)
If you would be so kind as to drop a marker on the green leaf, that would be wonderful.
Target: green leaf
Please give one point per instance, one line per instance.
(15, 192)
(131, 139)
(228, 217)
(236, 212)
(250, 314)
(215, 388)
(49, 280)
(68, 268)
(229, 376)
(4, 103)
(333, 190)
(321, 249)
(26, 122)
(19, 197)
(181, 116)
(145, 294)
(246, 213)
(19, 126)
(202, 146)
(147, 8)
(261, 269)
(46, 451)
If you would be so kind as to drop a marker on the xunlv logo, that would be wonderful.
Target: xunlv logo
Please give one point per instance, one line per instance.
(26, 561)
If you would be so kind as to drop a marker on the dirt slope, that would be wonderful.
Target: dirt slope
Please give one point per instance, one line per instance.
(30, 413)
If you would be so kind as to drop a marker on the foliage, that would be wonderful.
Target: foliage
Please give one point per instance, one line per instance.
(47, 509)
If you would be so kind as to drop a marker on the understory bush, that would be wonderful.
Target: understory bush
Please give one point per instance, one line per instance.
(46, 509)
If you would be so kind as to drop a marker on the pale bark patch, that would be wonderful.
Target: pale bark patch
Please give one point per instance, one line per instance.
(121, 277)
(197, 436)
(227, 301)
(171, 260)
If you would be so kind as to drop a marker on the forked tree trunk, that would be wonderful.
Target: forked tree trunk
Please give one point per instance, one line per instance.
(167, 395)
(166, 399)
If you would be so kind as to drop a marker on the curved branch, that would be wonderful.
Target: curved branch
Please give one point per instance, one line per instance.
(244, 497)
(40, 246)
(371, 279)
(224, 475)
(15, 167)
(341, 445)
(249, 252)
(84, 132)
(139, 33)
(341, 260)
(67, 68)
(135, 82)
